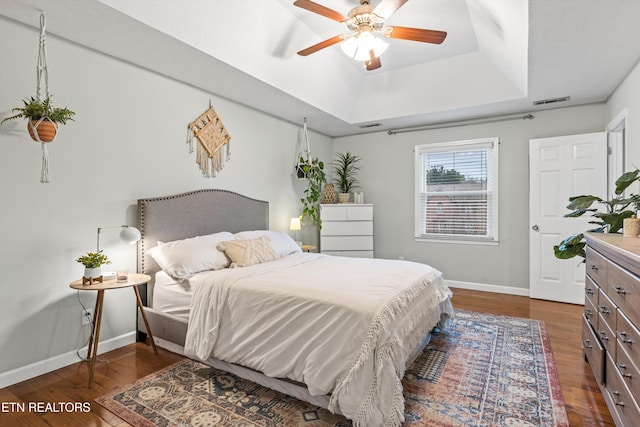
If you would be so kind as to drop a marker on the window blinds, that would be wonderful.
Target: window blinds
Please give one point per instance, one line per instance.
(457, 190)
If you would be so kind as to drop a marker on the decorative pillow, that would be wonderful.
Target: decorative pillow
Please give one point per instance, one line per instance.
(281, 243)
(182, 259)
(248, 252)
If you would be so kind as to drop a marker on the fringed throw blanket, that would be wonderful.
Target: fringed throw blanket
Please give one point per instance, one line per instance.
(213, 142)
(343, 326)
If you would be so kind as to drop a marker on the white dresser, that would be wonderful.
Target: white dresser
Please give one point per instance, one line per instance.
(347, 230)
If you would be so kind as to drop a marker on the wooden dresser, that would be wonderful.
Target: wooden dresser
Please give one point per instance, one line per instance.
(611, 321)
(347, 229)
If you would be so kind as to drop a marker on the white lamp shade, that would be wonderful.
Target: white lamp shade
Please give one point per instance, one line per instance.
(130, 235)
(295, 224)
(358, 47)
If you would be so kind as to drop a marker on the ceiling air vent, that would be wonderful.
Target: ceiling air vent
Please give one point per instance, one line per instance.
(551, 100)
(371, 125)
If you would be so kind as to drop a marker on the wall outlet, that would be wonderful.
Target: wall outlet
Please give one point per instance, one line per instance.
(87, 316)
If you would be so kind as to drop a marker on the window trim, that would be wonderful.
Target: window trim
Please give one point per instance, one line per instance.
(494, 144)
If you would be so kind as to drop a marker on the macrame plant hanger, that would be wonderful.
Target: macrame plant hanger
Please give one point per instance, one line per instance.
(303, 155)
(214, 142)
(42, 74)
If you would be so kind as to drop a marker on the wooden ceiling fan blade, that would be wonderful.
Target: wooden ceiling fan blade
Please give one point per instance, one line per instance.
(320, 10)
(316, 47)
(373, 62)
(415, 34)
(386, 8)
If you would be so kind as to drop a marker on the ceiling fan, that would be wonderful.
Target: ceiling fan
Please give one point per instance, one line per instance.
(364, 22)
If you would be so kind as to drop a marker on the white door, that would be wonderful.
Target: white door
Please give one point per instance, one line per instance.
(559, 168)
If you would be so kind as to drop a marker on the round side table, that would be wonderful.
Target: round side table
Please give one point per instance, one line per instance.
(132, 281)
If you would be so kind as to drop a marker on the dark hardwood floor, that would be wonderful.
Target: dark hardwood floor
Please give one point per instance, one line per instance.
(585, 404)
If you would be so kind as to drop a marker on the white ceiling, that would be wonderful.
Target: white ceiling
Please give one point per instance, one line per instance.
(499, 55)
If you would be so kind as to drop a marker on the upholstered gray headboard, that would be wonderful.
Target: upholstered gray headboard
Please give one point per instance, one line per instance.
(195, 213)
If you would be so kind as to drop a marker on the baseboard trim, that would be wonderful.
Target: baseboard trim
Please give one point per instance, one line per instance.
(488, 288)
(45, 366)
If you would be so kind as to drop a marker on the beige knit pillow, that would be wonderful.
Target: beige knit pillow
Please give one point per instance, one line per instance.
(246, 252)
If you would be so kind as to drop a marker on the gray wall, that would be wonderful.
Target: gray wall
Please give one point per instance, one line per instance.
(127, 143)
(627, 97)
(387, 179)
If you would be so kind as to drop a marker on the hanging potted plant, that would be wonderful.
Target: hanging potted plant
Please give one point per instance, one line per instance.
(346, 168)
(93, 262)
(43, 118)
(314, 171)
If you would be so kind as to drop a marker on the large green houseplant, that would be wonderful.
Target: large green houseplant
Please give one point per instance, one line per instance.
(346, 166)
(315, 175)
(610, 221)
(43, 117)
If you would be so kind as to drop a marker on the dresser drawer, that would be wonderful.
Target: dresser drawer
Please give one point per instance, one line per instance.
(606, 335)
(351, 254)
(607, 311)
(593, 351)
(628, 372)
(624, 289)
(591, 313)
(347, 228)
(591, 291)
(623, 403)
(346, 243)
(596, 266)
(628, 337)
(346, 212)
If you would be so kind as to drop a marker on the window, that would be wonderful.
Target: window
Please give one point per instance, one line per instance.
(457, 190)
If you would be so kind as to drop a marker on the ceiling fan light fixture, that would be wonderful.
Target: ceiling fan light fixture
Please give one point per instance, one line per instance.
(359, 46)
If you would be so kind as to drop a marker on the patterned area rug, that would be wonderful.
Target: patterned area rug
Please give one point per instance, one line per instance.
(482, 370)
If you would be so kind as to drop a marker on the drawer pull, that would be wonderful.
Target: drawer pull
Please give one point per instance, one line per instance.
(604, 309)
(617, 394)
(619, 290)
(623, 337)
(587, 344)
(603, 335)
(588, 312)
(623, 367)
(594, 267)
(589, 291)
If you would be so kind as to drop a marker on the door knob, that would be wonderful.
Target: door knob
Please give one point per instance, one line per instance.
(535, 228)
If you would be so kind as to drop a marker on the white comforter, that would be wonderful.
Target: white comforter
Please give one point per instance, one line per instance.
(343, 326)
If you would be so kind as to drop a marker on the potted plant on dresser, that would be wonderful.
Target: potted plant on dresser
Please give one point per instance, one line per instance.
(346, 167)
(93, 262)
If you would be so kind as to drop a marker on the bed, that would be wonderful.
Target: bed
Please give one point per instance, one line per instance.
(336, 332)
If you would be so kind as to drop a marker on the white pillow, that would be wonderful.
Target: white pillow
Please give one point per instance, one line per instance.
(281, 243)
(182, 259)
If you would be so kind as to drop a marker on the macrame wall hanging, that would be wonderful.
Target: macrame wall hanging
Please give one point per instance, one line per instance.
(213, 148)
(303, 155)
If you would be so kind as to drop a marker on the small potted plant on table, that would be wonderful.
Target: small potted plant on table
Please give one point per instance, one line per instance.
(93, 261)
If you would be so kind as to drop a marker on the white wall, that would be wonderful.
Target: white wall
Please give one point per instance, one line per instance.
(127, 143)
(387, 179)
(627, 97)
